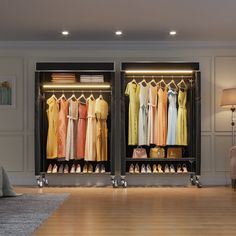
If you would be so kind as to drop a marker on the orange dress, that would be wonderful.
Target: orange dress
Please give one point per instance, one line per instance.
(62, 128)
(81, 131)
(162, 117)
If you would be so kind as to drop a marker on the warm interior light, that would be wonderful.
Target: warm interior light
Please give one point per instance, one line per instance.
(228, 97)
(159, 71)
(65, 33)
(118, 32)
(173, 32)
(84, 86)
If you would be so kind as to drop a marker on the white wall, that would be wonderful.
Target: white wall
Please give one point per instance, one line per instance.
(217, 65)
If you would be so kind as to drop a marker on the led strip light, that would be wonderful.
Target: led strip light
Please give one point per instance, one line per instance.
(84, 86)
(159, 71)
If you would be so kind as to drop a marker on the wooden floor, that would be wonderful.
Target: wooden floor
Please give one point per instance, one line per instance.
(142, 211)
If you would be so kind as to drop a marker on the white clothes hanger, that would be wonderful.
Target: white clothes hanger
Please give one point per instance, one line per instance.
(182, 83)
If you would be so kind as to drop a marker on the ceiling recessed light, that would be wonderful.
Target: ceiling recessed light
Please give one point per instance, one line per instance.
(173, 32)
(118, 33)
(65, 32)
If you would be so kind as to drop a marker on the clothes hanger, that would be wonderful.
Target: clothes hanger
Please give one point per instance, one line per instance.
(153, 81)
(53, 96)
(143, 82)
(100, 96)
(172, 82)
(182, 82)
(162, 81)
(81, 97)
(91, 97)
(72, 97)
(62, 96)
(133, 81)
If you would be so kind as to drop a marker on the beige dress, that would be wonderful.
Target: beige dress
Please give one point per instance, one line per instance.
(132, 90)
(52, 114)
(101, 111)
(152, 113)
(71, 130)
(91, 139)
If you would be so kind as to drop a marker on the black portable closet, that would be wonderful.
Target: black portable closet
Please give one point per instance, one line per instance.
(43, 74)
(192, 152)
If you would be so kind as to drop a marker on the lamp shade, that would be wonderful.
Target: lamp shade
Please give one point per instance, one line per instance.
(228, 97)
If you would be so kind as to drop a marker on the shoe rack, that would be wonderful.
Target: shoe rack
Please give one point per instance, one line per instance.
(190, 161)
(55, 170)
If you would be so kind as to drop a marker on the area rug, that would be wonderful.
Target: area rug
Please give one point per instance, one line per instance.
(22, 215)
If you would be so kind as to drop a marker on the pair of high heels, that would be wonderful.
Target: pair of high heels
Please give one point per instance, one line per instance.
(144, 169)
(98, 168)
(182, 169)
(52, 169)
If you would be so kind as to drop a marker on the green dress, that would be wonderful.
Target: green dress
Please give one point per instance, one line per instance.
(132, 90)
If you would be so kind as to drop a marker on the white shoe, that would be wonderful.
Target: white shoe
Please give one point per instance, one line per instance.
(143, 169)
(78, 169)
(131, 169)
(54, 170)
(167, 170)
(172, 169)
(72, 170)
(149, 170)
(49, 171)
(97, 169)
(103, 170)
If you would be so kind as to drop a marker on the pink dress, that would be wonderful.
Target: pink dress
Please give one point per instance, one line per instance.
(62, 128)
(81, 131)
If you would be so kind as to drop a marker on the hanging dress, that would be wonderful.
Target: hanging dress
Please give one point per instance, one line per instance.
(52, 115)
(172, 118)
(152, 113)
(90, 143)
(101, 111)
(81, 131)
(71, 130)
(162, 117)
(132, 90)
(62, 127)
(181, 135)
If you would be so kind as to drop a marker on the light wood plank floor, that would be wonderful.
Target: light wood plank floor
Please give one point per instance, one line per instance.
(142, 211)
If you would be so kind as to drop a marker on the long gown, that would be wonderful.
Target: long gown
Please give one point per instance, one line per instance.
(52, 114)
(101, 111)
(132, 90)
(143, 115)
(62, 127)
(181, 135)
(81, 131)
(172, 118)
(71, 130)
(90, 143)
(162, 117)
(152, 113)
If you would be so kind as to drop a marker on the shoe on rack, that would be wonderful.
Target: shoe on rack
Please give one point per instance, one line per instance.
(90, 168)
(103, 170)
(66, 169)
(49, 170)
(131, 169)
(167, 169)
(72, 170)
(85, 168)
(154, 167)
(172, 169)
(143, 169)
(184, 167)
(60, 170)
(78, 169)
(97, 169)
(136, 168)
(148, 168)
(54, 169)
(179, 169)
(159, 168)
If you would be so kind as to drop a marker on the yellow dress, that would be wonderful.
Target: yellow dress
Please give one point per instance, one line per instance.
(181, 135)
(52, 114)
(101, 112)
(132, 90)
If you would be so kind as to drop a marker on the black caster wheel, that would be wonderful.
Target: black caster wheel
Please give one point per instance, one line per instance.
(40, 183)
(124, 183)
(45, 181)
(114, 184)
(192, 181)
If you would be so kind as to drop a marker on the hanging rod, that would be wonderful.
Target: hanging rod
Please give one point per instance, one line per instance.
(159, 71)
(159, 76)
(77, 91)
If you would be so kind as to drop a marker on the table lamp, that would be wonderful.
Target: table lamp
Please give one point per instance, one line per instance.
(228, 99)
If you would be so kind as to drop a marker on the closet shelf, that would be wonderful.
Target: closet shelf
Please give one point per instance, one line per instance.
(129, 159)
(185, 173)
